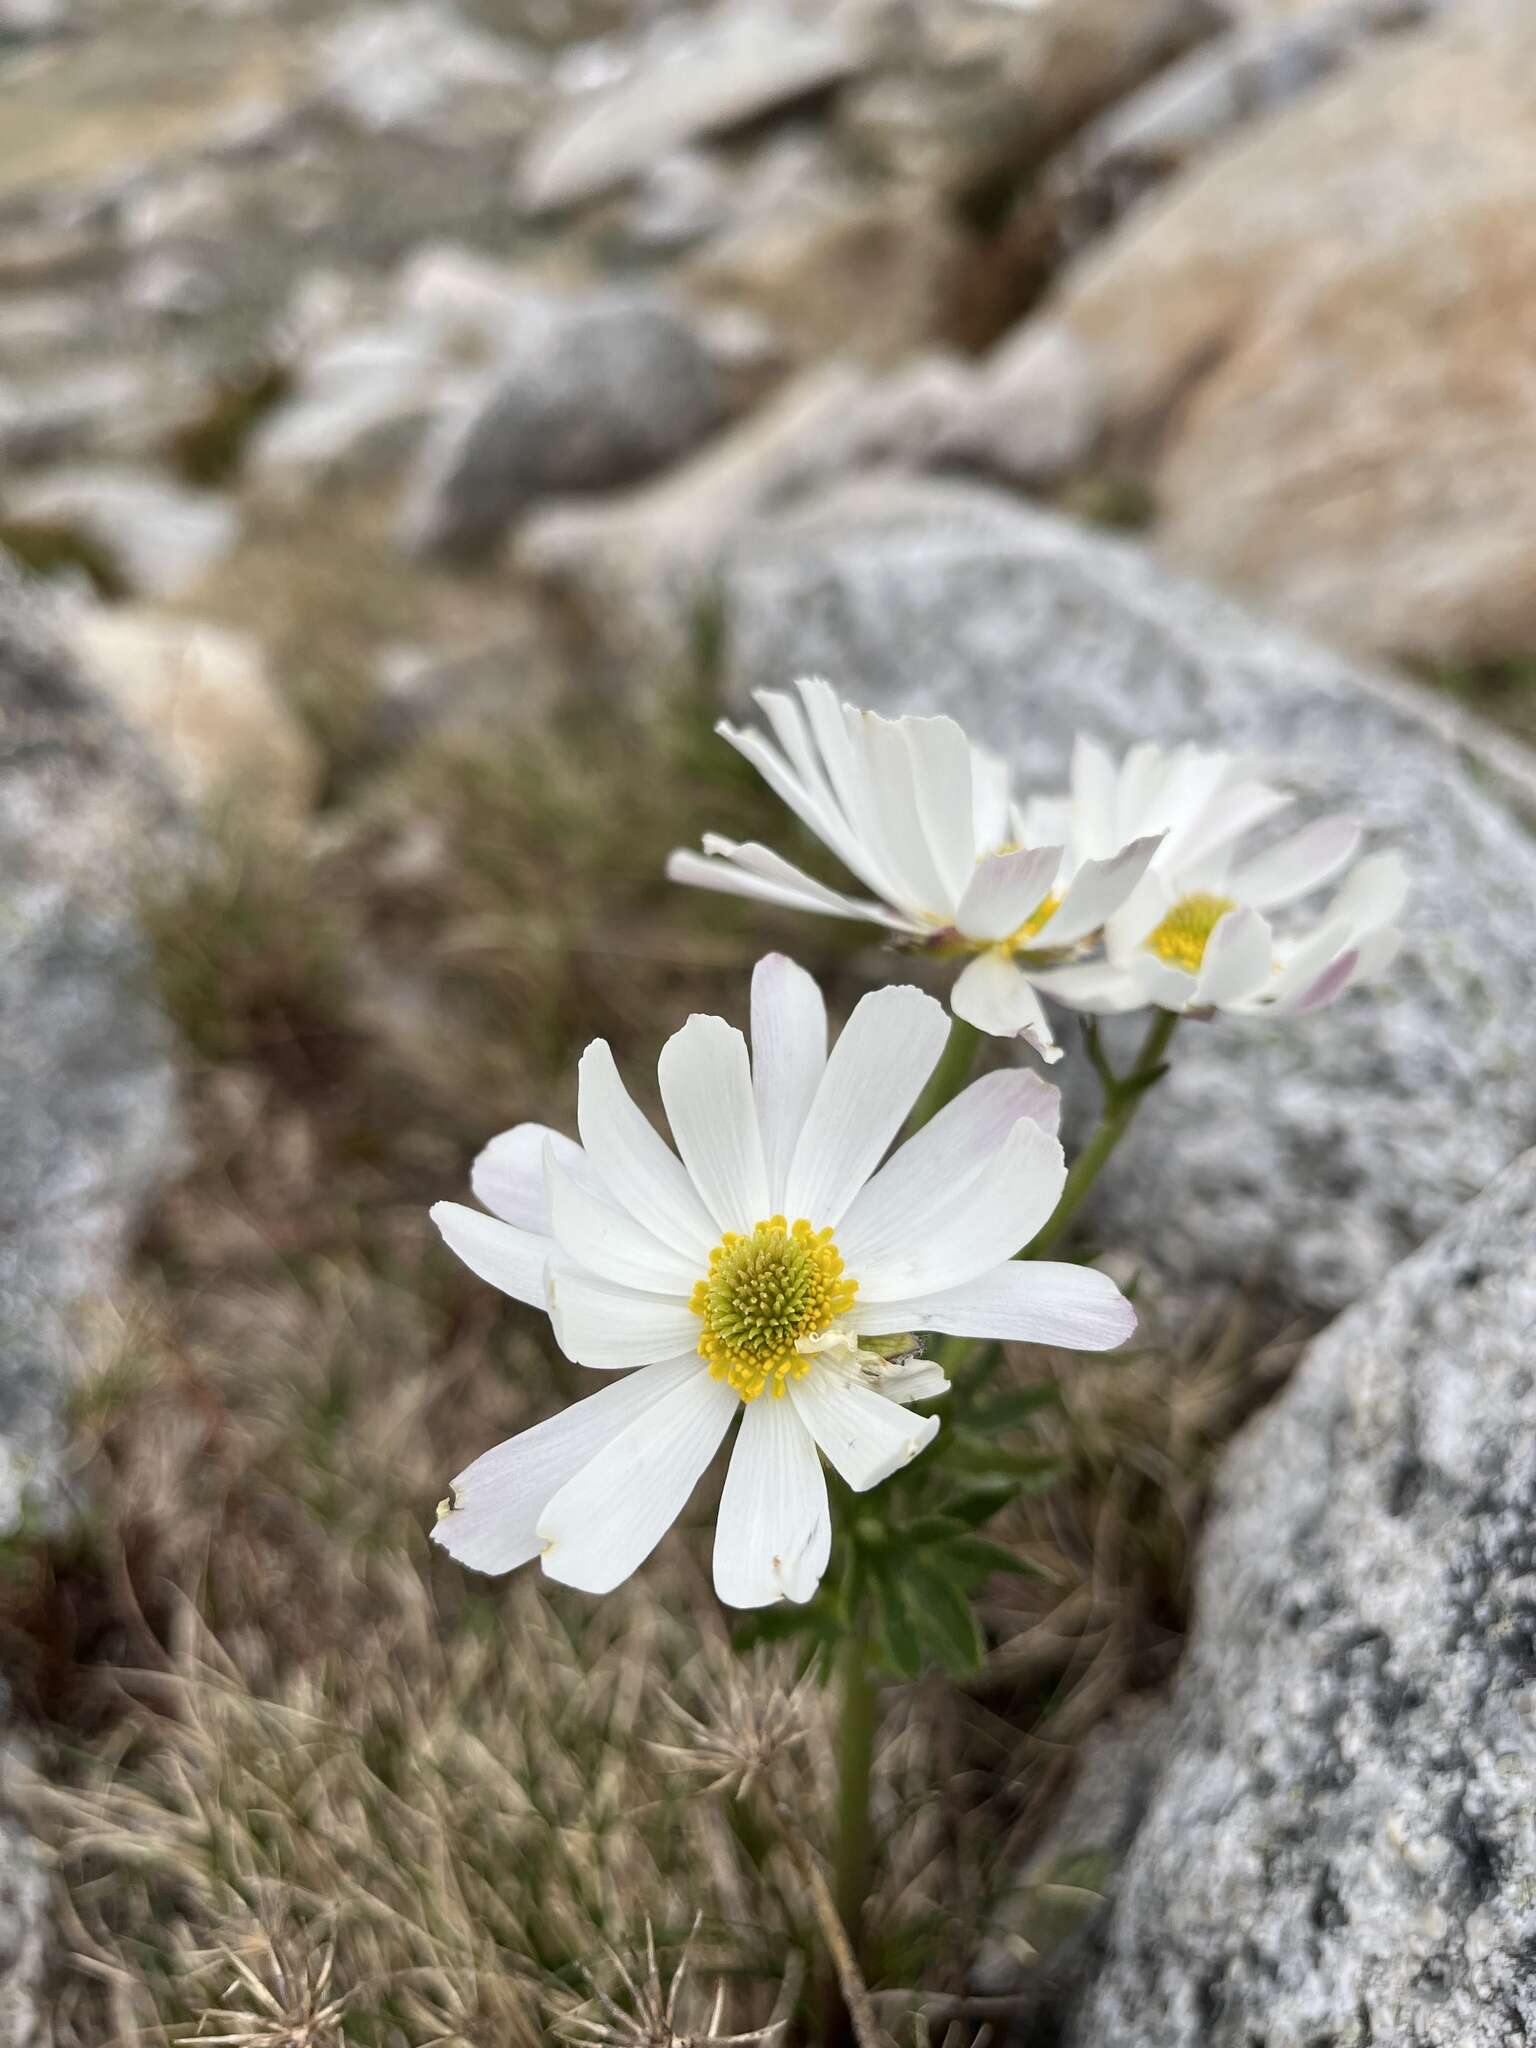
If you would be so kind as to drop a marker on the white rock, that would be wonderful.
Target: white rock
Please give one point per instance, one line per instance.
(1032, 414)
(161, 536)
(737, 68)
(394, 68)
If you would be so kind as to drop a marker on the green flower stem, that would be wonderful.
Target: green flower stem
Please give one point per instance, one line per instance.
(1123, 1095)
(855, 1766)
(860, 1692)
(949, 1076)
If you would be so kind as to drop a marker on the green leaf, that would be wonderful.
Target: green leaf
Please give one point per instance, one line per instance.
(978, 1554)
(945, 1621)
(1015, 1407)
(900, 1644)
(930, 1529)
(1032, 1471)
(979, 1503)
(779, 1624)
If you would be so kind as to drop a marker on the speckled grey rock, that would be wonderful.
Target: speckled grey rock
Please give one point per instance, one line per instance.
(86, 1107)
(1341, 1847)
(598, 391)
(1308, 1155)
(86, 1083)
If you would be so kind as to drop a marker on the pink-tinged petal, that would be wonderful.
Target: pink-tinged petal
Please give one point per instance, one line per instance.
(727, 876)
(706, 1089)
(1239, 959)
(1005, 891)
(611, 1328)
(948, 1230)
(789, 1057)
(1329, 985)
(1298, 865)
(1023, 1301)
(1097, 891)
(492, 1525)
(508, 1176)
(605, 1521)
(874, 1074)
(773, 1535)
(513, 1260)
(993, 994)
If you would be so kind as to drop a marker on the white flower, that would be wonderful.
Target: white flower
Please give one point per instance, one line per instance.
(1195, 933)
(924, 819)
(680, 1271)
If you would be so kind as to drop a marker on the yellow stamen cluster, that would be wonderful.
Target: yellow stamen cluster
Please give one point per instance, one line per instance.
(1184, 934)
(1033, 925)
(764, 1292)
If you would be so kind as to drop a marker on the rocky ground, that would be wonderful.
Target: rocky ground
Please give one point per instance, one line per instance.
(419, 420)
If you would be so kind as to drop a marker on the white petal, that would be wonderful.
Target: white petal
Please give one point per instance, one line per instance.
(789, 1056)
(915, 1379)
(774, 1533)
(888, 1048)
(497, 1501)
(1296, 865)
(1005, 890)
(1095, 827)
(1025, 1300)
(508, 1176)
(989, 798)
(781, 874)
(509, 1258)
(1231, 811)
(1239, 959)
(1374, 894)
(864, 1437)
(696, 871)
(993, 994)
(1097, 891)
(609, 1327)
(893, 791)
(1094, 986)
(941, 768)
(605, 1522)
(706, 1089)
(639, 1171)
(965, 1192)
(594, 1233)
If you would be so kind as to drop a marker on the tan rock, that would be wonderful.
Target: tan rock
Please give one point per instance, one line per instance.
(203, 695)
(1320, 348)
(866, 275)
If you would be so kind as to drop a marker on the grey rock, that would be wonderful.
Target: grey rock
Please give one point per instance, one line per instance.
(360, 406)
(1032, 415)
(739, 66)
(1310, 1154)
(73, 412)
(86, 1083)
(159, 535)
(600, 392)
(87, 1104)
(1341, 1845)
(683, 199)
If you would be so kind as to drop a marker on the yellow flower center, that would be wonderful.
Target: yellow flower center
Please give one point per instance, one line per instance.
(1184, 934)
(1033, 925)
(763, 1294)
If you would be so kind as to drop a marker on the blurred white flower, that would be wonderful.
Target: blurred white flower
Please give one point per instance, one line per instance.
(1195, 933)
(739, 1274)
(924, 819)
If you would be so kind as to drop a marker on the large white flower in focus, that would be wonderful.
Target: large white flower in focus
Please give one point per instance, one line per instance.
(737, 1275)
(1197, 932)
(925, 820)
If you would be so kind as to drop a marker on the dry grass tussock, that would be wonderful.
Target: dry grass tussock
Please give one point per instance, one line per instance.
(304, 1782)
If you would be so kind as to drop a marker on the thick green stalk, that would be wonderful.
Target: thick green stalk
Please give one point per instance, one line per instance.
(855, 1767)
(949, 1076)
(1123, 1094)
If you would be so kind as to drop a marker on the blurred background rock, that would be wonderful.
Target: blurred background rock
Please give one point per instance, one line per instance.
(416, 422)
